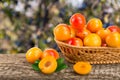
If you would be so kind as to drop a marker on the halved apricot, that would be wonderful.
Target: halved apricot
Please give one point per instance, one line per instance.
(48, 65)
(82, 67)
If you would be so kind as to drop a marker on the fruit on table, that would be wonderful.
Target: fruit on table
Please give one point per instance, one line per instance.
(92, 40)
(48, 65)
(62, 32)
(82, 67)
(113, 39)
(50, 52)
(103, 33)
(75, 41)
(114, 28)
(33, 54)
(82, 34)
(78, 21)
(94, 25)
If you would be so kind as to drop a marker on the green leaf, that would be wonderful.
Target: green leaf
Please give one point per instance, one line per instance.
(37, 61)
(35, 65)
(62, 66)
(60, 61)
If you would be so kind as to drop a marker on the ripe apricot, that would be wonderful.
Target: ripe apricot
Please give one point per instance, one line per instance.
(92, 40)
(82, 34)
(103, 33)
(113, 39)
(62, 32)
(75, 42)
(50, 52)
(114, 28)
(48, 65)
(82, 67)
(94, 24)
(78, 21)
(72, 31)
(33, 54)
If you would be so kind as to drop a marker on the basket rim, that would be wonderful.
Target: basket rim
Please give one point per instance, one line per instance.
(62, 43)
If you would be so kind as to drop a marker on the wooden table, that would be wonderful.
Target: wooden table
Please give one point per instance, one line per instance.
(15, 67)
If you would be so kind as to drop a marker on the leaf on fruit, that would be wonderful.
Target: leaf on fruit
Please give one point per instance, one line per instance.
(37, 61)
(60, 61)
(35, 65)
(61, 65)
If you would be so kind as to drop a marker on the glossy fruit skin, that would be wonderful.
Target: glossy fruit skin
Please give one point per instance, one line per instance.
(82, 68)
(72, 31)
(113, 39)
(82, 34)
(62, 32)
(48, 65)
(75, 42)
(77, 21)
(94, 25)
(50, 52)
(103, 33)
(92, 40)
(33, 54)
(114, 28)
(104, 45)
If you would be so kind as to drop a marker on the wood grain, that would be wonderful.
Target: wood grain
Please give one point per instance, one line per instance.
(15, 67)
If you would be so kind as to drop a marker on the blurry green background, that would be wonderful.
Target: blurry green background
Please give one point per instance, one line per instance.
(28, 23)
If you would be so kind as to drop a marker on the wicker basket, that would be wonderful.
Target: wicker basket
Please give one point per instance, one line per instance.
(94, 55)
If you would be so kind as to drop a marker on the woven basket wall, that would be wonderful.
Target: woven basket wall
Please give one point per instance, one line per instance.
(94, 55)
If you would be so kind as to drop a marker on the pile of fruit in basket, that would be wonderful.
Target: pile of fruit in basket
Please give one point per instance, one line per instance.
(90, 34)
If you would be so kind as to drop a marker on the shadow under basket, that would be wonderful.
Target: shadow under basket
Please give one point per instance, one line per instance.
(94, 55)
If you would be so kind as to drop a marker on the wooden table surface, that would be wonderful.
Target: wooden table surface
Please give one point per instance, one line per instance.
(15, 67)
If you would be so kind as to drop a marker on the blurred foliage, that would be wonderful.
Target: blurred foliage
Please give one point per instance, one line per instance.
(28, 23)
